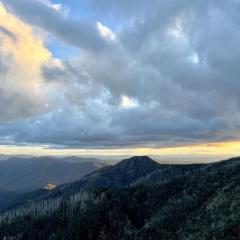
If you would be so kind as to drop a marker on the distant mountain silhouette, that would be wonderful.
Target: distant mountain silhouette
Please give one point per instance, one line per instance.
(27, 174)
(5, 194)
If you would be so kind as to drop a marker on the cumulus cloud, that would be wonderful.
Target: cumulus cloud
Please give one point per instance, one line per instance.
(170, 78)
(21, 56)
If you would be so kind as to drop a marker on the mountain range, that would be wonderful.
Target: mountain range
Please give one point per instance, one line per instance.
(21, 174)
(137, 198)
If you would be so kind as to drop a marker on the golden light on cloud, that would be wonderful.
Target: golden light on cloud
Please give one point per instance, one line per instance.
(2, 9)
(27, 49)
(23, 53)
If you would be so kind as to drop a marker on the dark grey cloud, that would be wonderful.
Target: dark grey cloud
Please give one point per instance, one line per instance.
(103, 126)
(176, 60)
(83, 34)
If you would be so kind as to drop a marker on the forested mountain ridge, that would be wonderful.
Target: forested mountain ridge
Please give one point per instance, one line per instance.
(195, 202)
(119, 175)
(125, 173)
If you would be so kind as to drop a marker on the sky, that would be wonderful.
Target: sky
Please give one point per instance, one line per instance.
(106, 77)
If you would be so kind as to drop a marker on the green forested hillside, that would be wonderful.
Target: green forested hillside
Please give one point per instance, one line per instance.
(200, 202)
(122, 174)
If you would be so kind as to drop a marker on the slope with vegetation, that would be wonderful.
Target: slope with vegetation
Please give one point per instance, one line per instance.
(139, 199)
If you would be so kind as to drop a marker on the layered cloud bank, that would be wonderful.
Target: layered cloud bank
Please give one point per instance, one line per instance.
(162, 73)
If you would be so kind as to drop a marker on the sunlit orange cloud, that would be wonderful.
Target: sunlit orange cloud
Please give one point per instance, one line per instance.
(28, 50)
(26, 54)
(222, 148)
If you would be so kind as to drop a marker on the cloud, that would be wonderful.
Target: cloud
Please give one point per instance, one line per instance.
(169, 79)
(48, 16)
(21, 56)
(57, 6)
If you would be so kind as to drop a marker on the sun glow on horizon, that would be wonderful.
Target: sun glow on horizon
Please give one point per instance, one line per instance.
(211, 149)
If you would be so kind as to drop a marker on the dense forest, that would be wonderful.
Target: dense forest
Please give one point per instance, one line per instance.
(137, 199)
